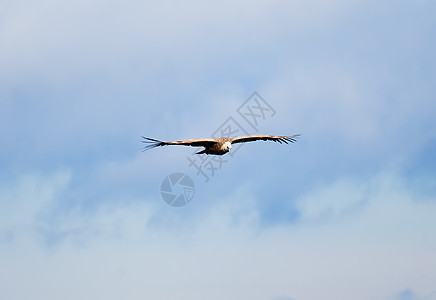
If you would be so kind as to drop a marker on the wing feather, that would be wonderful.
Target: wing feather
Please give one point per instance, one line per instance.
(263, 137)
(153, 143)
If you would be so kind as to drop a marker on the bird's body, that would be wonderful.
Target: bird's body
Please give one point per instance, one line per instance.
(221, 145)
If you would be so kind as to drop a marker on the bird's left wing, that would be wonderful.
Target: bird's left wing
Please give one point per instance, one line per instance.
(152, 143)
(263, 137)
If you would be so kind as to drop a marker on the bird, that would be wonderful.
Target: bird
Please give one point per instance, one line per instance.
(218, 146)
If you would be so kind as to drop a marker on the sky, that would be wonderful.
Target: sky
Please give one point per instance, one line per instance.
(346, 212)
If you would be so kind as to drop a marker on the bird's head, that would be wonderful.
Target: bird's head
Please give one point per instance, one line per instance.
(227, 146)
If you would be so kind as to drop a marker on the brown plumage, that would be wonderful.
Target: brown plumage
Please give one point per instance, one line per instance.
(221, 145)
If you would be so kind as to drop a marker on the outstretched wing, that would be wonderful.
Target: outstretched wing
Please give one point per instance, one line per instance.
(152, 143)
(263, 137)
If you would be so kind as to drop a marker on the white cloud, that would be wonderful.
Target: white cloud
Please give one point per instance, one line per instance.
(60, 41)
(369, 253)
(23, 199)
(409, 294)
(358, 238)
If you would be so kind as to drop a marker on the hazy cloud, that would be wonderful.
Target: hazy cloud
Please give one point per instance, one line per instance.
(349, 209)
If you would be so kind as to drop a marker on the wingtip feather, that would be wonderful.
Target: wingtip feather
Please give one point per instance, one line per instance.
(151, 143)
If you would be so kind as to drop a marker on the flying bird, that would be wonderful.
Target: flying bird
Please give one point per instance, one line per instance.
(221, 145)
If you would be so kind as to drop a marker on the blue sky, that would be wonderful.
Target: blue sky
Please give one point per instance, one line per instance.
(345, 213)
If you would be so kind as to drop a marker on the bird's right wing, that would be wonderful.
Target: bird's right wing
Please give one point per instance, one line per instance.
(262, 137)
(152, 143)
